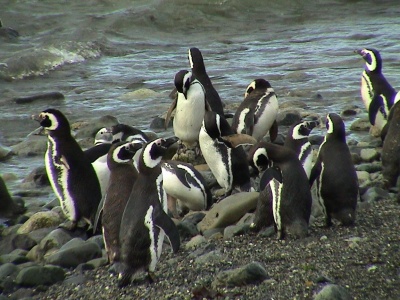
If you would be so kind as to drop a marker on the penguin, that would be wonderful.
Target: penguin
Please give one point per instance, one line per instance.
(285, 197)
(199, 71)
(297, 140)
(335, 175)
(224, 154)
(190, 106)
(123, 175)
(391, 149)
(256, 115)
(376, 92)
(70, 173)
(145, 221)
(183, 182)
(123, 132)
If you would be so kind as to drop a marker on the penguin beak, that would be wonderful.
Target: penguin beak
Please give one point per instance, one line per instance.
(185, 93)
(37, 118)
(312, 124)
(135, 146)
(170, 141)
(359, 52)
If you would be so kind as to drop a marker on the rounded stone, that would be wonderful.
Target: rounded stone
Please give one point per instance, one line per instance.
(39, 220)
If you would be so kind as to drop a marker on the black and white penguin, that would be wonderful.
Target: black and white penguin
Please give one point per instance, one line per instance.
(97, 155)
(297, 140)
(123, 175)
(190, 106)
(391, 149)
(199, 71)
(145, 221)
(71, 174)
(182, 182)
(376, 92)
(127, 133)
(224, 154)
(256, 115)
(335, 175)
(285, 197)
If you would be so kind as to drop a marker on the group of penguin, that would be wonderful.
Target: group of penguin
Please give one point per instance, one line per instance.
(124, 183)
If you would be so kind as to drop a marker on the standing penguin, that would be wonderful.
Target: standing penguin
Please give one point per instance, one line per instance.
(71, 174)
(199, 71)
(336, 177)
(256, 115)
(224, 154)
(145, 221)
(376, 92)
(190, 106)
(182, 182)
(97, 155)
(285, 196)
(297, 140)
(122, 178)
(123, 132)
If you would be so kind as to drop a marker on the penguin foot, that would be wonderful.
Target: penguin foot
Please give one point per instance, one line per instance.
(151, 278)
(124, 279)
(69, 225)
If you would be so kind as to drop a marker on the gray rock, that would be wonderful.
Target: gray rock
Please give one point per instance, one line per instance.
(73, 253)
(235, 230)
(90, 128)
(375, 194)
(209, 258)
(195, 242)
(7, 269)
(158, 123)
(55, 239)
(187, 229)
(41, 219)
(39, 234)
(333, 292)
(210, 232)
(13, 258)
(23, 241)
(33, 145)
(229, 210)
(369, 155)
(5, 152)
(369, 167)
(361, 124)
(194, 217)
(98, 239)
(288, 117)
(98, 262)
(36, 178)
(249, 274)
(40, 275)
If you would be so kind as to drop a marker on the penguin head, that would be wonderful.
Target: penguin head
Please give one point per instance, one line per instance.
(123, 132)
(154, 151)
(182, 81)
(258, 83)
(216, 125)
(53, 120)
(258, 158)
(372, 57)
(335, 127)
(103, 136)
(302, 130)
(123, 152)
(196, 60)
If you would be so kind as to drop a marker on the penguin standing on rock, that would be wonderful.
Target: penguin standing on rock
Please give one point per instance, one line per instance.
(122, 178)
(199, 71)
(256, 115)
(335, 175)
(285, 197)
(297, 140)
(224, 154)
(145, 221)
(376, 92)
(71, 174)
(190, 106)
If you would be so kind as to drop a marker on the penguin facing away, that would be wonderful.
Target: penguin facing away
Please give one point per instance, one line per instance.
(335, 175)
(224, 154)
(285, 196)
(199, 71)
(122, 178)
(182, 182)
(256, 115)
(190, 106)
(145, 222)
(70, 173)
(376, 92)
(123, 132)
(297, 140)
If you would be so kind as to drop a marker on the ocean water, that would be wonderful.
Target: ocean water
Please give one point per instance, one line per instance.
(97, 51)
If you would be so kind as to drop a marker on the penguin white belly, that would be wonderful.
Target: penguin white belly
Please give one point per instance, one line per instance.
(189, 117)
(241, 127)
(276, 190)
(191, 196)
(221, 172)
(319, 188)
(366, 90)
(103, 172)
(306, 156)
(266, 117)
(58, 173)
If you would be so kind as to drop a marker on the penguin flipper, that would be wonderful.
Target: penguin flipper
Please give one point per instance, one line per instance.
(273, 131)
(249, 121)
(98, 213)
(375, 105)
(238, 139)
(315, 172)
(165, 223)
(169, 113)
(270, 174)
